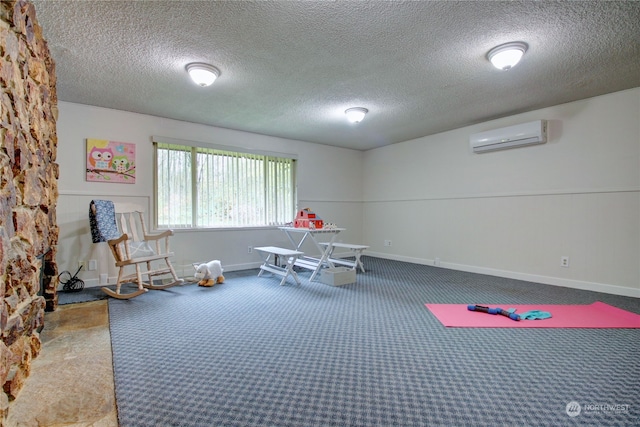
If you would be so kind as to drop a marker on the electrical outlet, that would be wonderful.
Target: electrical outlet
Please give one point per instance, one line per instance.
(81, 265)
(250, 250)
(104, 278)
(436, 261)
(564, 261)
(93, 265)
(387, 242)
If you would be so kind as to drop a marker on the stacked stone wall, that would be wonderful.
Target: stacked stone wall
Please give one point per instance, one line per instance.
(28, 193)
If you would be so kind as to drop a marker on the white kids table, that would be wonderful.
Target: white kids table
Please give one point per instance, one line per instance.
(312, 234)
(268, 252)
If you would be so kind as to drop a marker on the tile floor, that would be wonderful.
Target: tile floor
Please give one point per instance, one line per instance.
(71, 380)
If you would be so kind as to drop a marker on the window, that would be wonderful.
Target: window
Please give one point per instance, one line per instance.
(201, 187)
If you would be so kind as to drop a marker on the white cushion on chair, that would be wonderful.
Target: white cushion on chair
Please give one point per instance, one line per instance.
(141, 249)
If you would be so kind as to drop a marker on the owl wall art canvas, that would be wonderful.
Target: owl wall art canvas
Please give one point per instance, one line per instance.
(111, 161)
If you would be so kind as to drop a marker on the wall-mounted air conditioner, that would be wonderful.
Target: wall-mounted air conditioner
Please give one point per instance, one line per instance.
(509, 137)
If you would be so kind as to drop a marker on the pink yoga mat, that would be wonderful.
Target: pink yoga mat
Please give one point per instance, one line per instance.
(596, 315)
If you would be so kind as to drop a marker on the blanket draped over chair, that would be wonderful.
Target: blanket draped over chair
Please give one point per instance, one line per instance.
(102, 219)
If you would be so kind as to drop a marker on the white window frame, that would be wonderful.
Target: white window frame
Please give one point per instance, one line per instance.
(196, 147)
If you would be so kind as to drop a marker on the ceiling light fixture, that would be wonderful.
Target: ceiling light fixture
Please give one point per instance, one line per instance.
(356, 114)
(203, 74)
(507, 55)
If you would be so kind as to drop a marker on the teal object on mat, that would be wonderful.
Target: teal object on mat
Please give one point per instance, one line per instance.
(535, 315)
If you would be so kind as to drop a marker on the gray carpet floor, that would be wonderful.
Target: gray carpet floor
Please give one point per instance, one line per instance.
(84, 295)
(94, 293)
(251, 353)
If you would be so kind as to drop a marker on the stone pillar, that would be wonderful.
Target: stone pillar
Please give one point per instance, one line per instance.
(28, 192)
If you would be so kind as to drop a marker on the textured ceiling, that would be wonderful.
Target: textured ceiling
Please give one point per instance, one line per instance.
(290, 69)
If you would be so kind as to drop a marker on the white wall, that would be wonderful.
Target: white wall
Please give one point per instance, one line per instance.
(511, 213)
(514, 213)
(329, 182)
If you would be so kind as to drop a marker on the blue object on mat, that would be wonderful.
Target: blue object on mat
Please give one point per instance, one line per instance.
(535, 315)
(102, 219)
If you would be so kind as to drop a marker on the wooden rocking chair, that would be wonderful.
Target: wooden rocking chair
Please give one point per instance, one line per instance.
(135, 247)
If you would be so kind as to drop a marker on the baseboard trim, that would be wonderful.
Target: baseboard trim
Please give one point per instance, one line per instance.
(546, 280)
(184, 269)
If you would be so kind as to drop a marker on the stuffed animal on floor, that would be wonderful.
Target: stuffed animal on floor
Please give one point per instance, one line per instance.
(210, 273)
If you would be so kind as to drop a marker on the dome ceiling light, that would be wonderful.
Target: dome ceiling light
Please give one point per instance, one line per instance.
(356, 114)
(203, 74)
(507, 55)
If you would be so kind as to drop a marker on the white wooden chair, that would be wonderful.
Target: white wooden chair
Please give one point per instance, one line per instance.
(148, 254)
